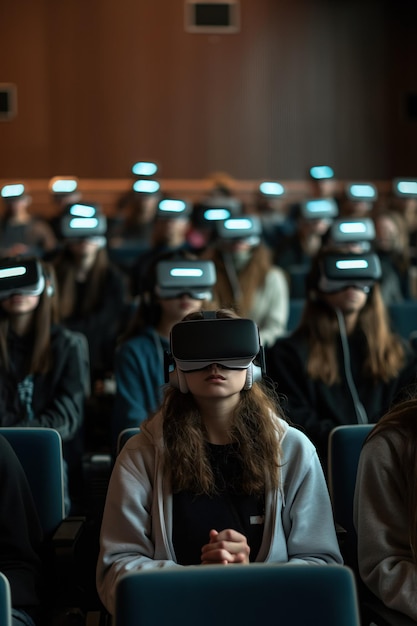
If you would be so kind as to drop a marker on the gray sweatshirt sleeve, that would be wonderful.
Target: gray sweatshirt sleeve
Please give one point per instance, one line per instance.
(385, 561)
(132, 536)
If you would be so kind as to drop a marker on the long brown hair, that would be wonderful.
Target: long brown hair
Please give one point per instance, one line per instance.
(66, 270)
(385, 350)
(40, 359)
(251, 278)
(402, 420)
(255, 430)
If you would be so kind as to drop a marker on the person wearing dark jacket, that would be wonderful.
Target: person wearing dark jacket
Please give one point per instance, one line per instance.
(41, 383)
(342, 364)
(20, 539)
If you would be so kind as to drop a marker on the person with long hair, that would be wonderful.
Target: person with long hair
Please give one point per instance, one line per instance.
(40, 379)
(385, 508)
(93, 299)
(139, 357)
(217, 475)
(342, 364)
(248, 281)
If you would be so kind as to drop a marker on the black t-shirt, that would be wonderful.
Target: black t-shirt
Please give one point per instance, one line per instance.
(195, 515)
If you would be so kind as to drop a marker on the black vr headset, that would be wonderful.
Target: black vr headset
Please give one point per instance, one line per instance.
(362, 192)
(12, 191)
(353, 230)
(21, 277)
(195, 278)
(173, 208)
(83, 221)
(348, 270)
(246, 228)
(212, 210)
(319, 209)
(196, 344)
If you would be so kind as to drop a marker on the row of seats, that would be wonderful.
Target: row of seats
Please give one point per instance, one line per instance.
(326, 595)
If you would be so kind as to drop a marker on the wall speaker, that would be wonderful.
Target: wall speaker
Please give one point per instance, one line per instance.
(212, 16)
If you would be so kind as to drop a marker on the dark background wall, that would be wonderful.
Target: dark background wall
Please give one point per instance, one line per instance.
(103, 83)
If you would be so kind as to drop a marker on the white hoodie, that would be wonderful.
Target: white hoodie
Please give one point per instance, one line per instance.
(136, 529)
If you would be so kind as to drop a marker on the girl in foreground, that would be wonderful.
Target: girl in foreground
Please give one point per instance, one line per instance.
(216, 476)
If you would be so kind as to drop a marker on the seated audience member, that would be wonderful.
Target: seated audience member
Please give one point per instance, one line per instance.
(20, 231)
(392, 247)
(360, 200)
(385, 509)
(93, 294)
(20, 540)
(139, 361)
(247, 280)
(169, 233)
(294, 255)
(40, 379)
(135, 215)
(64, 192)
(217, 476)
(342, 364)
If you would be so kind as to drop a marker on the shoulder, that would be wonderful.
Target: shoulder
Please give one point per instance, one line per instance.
(294, 440)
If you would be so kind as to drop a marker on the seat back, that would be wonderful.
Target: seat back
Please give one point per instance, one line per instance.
(5, 602)
(258, 593)
(40, 452)
(124, 435)
(345, 445)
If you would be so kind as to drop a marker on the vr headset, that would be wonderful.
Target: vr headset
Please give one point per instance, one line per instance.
(173, 208)
(319, 209)
(246, 228)
(349, 270)
(344, 231)
(405, 187)
(362, 192)
(82, 221)
(197, 344)
(195, 278)
(212, 210)
(21, 276)
(321, 172)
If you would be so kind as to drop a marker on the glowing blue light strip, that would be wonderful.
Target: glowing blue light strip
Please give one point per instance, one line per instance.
(82, 210)
(321, 171)
(12, 191)
(10, 272)
(407, 186)
(316, 206)
(181, 272)
(83, 222)
(352, 264)
(64, 186)
(238, 224)
(146, 186)
(216, 214)
(175, 206)
(271, 188)
(362, 191)
(354, 227)
(144, 168)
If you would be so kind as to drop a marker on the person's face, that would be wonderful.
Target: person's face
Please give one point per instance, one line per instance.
(215, 381)
(348, 301)
(171, 230)
(175, 309)
(19, 304)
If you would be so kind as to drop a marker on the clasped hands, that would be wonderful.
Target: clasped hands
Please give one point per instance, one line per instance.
(224, 547)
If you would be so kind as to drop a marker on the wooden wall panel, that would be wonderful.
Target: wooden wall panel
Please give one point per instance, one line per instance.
(103, 83)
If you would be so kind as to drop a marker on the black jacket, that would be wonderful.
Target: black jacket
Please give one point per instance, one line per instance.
(317, 407)
(58, 396)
